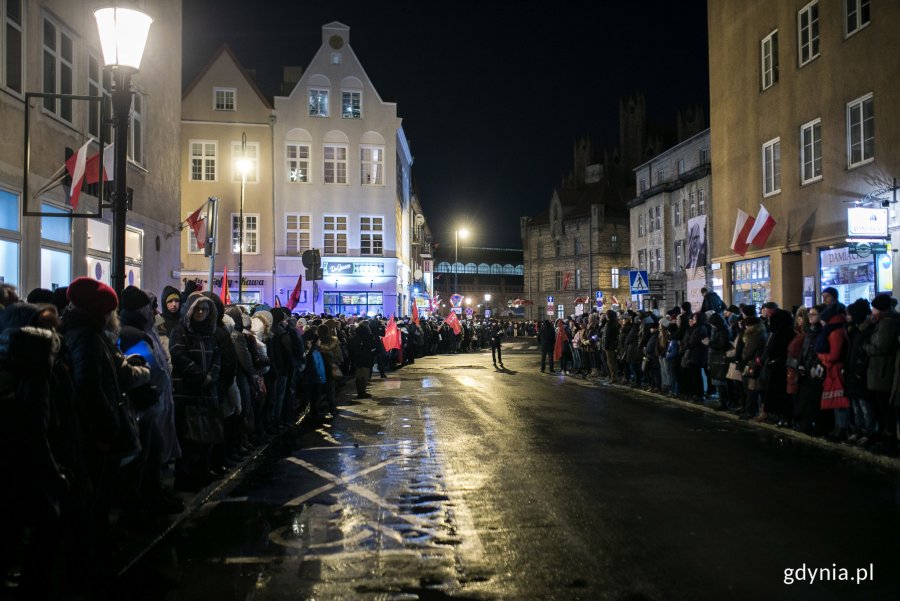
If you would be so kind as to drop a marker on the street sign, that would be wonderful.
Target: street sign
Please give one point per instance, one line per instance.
(599, 296)
(638, 281)
(549, 300)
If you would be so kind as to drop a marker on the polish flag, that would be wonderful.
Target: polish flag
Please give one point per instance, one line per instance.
(294, 298)
(391, 338)
(742, 230)
(197, 223)
(453, 322)
(225, 295)
(76, 165)
(415, 313)
(761, 230)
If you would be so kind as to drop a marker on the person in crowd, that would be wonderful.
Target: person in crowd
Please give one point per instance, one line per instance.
(831, 348)
(497, 333)
(792, 363)
(609, 342)
(547, 343)
(590, 341)
(562, 347)
(652, 358)
(8, 295)
(577, 355)
(861, 402)
(196, 367)
(39, 296)
(665, 379)
(170, 311)
(228, 395)
(245, 372)
(829, 296)
(330, 347)
(774, 398)
(711, 302)
(811, 376)
(719, 345)
(696, 355)
(882, 371)
(362, 350)
(754, 342)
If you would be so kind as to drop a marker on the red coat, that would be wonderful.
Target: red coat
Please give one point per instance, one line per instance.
(833, 395)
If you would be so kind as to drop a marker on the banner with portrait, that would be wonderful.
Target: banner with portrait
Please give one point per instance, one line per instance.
(696, 243)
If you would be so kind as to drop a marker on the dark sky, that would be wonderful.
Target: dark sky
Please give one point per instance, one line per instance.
(492, 93)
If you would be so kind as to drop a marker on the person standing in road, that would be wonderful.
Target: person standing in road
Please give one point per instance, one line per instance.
(547, 341)
(362, 350)
(496, 342)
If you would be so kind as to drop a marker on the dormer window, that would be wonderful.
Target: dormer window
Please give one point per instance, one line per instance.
(318, 102)
(351, 104)
(224, 99)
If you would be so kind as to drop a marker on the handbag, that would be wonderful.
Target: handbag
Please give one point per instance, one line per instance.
(733, 373)
(126, 445)
(336, 371)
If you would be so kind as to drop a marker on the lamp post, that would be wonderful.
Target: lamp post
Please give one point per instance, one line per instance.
(123, 35)
(464, 233)
(487, 300)
(243, 165)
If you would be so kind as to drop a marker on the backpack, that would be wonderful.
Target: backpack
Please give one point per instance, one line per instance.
(318, 365)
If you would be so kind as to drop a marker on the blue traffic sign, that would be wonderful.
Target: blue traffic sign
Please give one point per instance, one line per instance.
(599, 295)
(639, 282)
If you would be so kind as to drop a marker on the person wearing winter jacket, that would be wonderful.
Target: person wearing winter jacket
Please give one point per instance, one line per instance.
(362, 350)
(547, 343)
(651, 355)
(330, 348)
(881, 376)
(775, 399)
(754, 343)
(831, 348)
(719, 344)
(696, 355)
(862, 404)
(170, 311)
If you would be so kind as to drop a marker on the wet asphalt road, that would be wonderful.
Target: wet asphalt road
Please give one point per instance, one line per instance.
(459, 481)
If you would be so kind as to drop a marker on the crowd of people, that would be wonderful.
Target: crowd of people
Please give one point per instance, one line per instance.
(111, 407)
(829, 370)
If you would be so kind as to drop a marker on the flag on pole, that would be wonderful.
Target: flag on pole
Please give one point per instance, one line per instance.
(277, 302)
(453, 322)
(742, 229)
(197, 223)
(415, 313)
(764, 225)
(391, 338)
(76, 165)
(224, 294)
(295, 294)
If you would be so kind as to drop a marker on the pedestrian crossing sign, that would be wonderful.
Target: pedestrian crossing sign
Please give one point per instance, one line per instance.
(639, 282)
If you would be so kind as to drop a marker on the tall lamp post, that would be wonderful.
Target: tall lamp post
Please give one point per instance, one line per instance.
(123, 35)
(243, 165)
(460, 233)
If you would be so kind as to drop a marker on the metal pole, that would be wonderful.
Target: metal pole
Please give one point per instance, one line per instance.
(121, 105)
(241, 248)
(212, 223)
(456, 266)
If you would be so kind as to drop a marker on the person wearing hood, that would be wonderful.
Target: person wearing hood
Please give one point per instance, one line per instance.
(831, 348)
(753, 342)
(719, 344)
(775, 399)
(862, 403)
(244, 380)
(196, 366)
(362, 350)
(881, 376)
(696, 355)
(159, 441)
(170, 310)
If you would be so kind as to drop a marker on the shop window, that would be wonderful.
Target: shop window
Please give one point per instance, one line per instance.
(751, 282)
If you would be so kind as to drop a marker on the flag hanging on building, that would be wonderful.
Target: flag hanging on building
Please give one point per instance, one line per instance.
(197, 223)
(762, 228)
(294, 298)
(453, 322)
(76, 165)
(566, 279)
(742, 227)
(391, 338)
(224, 294)
(415, 313)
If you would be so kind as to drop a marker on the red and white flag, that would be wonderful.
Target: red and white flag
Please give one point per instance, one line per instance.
(294, 298)
(415, 313)
(197, 223)
(566, 279)
(742, 228)
(391, 338)
(76, 165)
(453, 322)
(225, 295)
(762, 228)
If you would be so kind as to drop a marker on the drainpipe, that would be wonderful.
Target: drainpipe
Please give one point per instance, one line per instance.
(274, 216)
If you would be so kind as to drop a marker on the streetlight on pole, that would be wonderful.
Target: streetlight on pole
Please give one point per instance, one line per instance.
(123, 35)
(464, 233)
(244, 165)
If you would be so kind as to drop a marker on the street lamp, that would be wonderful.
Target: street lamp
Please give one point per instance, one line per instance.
(243, 165)
(464, 233)
(123, 35)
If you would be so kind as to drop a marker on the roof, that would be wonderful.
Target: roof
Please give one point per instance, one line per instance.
(226, 49)
(577, 202)
(481, 254)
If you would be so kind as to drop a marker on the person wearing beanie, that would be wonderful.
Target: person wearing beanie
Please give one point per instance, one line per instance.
(831, 348)
(170, 311)
(92, 297)
(830, 295)
(40, 296)
(60, 299)
(863, 408)
(881, 376)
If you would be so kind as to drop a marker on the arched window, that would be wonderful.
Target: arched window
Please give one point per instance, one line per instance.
(443, 267)
(509, 269)
(470, 268)
(496, 268)
(520, 270)
(458, 268)
(484, 268)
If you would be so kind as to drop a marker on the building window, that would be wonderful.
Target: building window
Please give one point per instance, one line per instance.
(577, 244)
(643, 185)
(557, 247)
(251, 233)
(577, 279)
(614, 243)
(336, 58)
(335, 229)
(223, 99)
(614, 275)
(701, 202)
(692, 198)
(56, 248)
(642, 259)
(203, 160)
(59, 77)
(351, 105)
(680, 166)
(136, 129)
(641, 225)
(861, 131)
(250, 153)
(679, 255)
(650, 219)
(318, 103)
(11, 39)
(811, 151)
(771, 160)
(558, 280)
(297, 162)
(659, 262)
(9, 238)
(808, 35)
(704, 155)
(371, 237)
(676, 211)
(335, 158)
(658, 211)
(297, 234)
(660, 176)
(856, 15)
(99, 83)
(652, 262)
(770, 60)
(371, 166)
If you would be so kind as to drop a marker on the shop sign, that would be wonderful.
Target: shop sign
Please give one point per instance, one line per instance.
(836, 256)
(349, 268)
(863, 221)
(865, 249)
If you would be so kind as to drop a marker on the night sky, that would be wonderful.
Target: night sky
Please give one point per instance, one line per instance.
(493, 94)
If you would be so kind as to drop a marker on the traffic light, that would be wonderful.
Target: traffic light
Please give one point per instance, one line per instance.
(315, 274)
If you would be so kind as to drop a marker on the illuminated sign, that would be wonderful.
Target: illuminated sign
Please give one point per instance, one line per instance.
(349, 268)
(863, 221)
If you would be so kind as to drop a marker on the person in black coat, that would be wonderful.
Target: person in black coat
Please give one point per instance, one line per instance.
(170, 310)
(719, 345)
(781, 332)
(547, 342)
(362, 350)
(696, 355)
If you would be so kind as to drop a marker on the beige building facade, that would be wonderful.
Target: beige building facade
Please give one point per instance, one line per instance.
(53, 47)
(804, 104)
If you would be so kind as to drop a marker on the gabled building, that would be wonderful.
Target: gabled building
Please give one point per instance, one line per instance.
(342, 181)
(669, 224)
(53, 47)
(226, 118)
